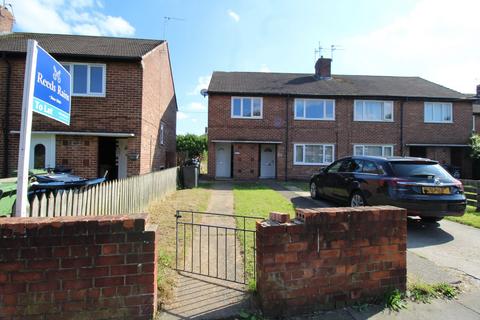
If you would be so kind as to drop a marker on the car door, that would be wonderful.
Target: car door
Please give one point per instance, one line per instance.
(333, 178)
(371, 181)
(345, 179)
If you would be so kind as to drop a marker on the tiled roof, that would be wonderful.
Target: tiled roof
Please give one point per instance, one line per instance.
(262, 83)
(75, 45)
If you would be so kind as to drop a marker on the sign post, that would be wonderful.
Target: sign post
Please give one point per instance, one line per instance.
(46, 90)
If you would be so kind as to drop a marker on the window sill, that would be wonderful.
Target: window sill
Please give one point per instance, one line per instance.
(89, 95)
(376, 121)
(313, 119)
(247, 118)
(438, 122)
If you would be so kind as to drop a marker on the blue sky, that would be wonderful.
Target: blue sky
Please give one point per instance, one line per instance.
(434, 39)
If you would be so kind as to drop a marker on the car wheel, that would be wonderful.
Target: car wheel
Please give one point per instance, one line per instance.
(357, 199)
(313, 190)
(431, 219)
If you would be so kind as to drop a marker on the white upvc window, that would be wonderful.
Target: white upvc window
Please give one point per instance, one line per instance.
(88, 79)
(313, 154)
(373, 110)
(438, 112)
(314, 109)
(247, 107)
(162, 133)
(380, 150)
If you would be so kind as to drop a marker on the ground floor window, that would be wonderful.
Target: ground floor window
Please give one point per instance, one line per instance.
(313, 154)
(373, 150)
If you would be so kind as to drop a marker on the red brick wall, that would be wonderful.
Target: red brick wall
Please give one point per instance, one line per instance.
(329, 258)
(76, 152)
(343, 132)
(78, 268)
(246, 161)
(159, 106)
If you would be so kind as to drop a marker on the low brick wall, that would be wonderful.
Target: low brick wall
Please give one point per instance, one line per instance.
(330, 257)
(77, 268)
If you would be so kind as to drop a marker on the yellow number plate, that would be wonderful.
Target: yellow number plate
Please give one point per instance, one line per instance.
(436, 190)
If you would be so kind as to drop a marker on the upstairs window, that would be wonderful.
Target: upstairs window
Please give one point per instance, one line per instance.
(87, 79)
(314, 109)
(247, 107)
(370, 110)
(438, 112)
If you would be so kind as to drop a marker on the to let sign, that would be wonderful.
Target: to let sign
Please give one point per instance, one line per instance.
(51, 93)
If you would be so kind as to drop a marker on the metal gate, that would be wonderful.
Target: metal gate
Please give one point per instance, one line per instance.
(216, 245)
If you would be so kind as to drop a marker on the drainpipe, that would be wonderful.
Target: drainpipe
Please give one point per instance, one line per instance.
(286, 137)
(402, 153)
(6, 117)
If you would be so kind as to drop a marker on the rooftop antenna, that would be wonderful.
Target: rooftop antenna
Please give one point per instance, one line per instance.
(165, 22)
(318, 51)
(333, 48)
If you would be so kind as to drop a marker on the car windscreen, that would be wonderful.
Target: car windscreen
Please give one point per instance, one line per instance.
(419, 170)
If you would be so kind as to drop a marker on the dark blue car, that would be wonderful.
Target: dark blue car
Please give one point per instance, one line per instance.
(421, 186)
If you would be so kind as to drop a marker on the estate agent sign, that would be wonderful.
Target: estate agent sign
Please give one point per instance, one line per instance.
(46, 90)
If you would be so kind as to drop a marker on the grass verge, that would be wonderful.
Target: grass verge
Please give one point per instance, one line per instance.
(162, 213)
(470, 218)
(255, 200)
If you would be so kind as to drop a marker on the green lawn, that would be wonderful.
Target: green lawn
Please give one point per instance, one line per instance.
(256, 200)
(302, 185)
(470, 218)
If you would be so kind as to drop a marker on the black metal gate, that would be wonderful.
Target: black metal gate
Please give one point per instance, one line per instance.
(216, 245)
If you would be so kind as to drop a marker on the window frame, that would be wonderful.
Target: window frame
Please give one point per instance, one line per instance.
(162, 133)
(303, 163)
(356, 117)
(433, 103)
(241, 116)
(304, 109)
(89, 65)
(384, 146)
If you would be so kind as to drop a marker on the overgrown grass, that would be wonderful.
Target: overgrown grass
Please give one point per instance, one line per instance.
(162, 213)
(425, 293)
(302, 185)
(470, 218)
(255, 200)
(395, 300)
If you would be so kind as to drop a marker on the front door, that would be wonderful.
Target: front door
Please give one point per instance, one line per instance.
(121, 154)
(267, 161)
(42, 151)
(223, 160)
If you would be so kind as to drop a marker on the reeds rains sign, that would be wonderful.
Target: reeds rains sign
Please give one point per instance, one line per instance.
(51, 95)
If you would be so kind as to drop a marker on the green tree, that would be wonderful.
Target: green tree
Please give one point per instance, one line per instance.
(191, 144)
(475, 145)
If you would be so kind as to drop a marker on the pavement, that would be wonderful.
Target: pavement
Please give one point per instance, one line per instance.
(202, 297)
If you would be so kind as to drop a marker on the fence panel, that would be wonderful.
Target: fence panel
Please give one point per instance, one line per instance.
(472, 192)
(130, 195)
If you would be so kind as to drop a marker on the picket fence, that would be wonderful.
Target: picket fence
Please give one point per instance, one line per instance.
(472, 192)
(130, 195)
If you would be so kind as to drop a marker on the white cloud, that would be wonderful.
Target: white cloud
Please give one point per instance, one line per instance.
(202, 83)
(77, 17)
(181, 115)
(434, 41)
(233, 15)
(265, 68)
(197, 106)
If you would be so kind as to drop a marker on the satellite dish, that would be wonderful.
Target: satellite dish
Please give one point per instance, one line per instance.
(204, 92)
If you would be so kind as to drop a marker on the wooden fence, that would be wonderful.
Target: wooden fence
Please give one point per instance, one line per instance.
(131, 195)
(472, 192)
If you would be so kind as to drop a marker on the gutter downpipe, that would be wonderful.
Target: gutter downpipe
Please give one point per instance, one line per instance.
(286, 137)
(6, 125)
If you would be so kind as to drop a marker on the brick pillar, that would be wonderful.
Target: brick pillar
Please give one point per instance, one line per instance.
(329, 258)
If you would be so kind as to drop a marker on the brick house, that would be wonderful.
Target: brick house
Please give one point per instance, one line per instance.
(123, 106)
(286, 126)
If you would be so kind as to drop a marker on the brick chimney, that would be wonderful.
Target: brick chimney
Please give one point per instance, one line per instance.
(323, 68)
(6, 20)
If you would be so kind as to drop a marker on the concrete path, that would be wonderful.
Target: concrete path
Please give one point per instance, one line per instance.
(299, 198)
(201, 297)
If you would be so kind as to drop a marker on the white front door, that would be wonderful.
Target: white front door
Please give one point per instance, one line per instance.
(267, 161)
(121, 157)
(42, 151)
(223, 160)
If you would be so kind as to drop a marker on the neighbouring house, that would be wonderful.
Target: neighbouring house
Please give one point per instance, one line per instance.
(286, 125)
(123, 117)
(476, 111)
